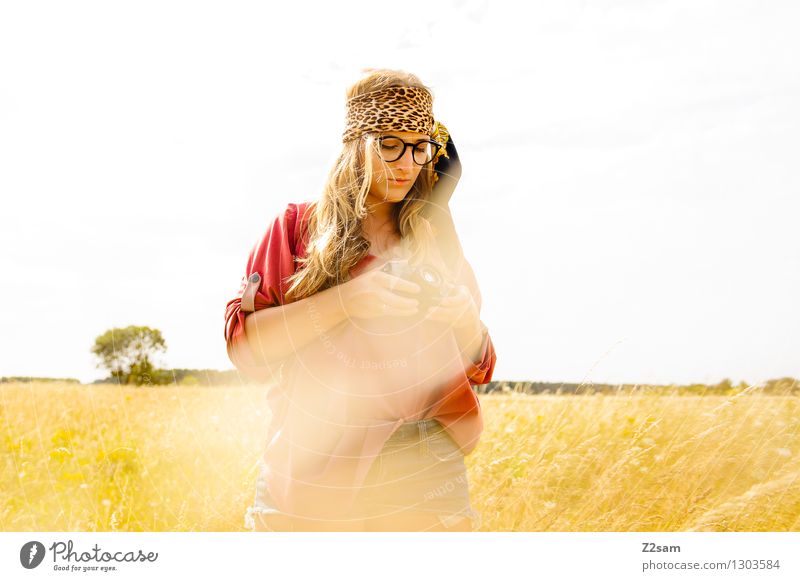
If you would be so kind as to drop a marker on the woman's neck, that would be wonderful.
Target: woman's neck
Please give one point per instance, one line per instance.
(380, 212)
(380, 215)
(381, 232)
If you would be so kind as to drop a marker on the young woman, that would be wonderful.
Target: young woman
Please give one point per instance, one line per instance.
(362, 310)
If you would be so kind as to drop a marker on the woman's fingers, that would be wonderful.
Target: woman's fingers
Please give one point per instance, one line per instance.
(395, 301)
(399, 284)
(378, 294)
(458, 295)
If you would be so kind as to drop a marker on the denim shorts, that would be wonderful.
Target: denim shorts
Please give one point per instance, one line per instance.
(420, 468)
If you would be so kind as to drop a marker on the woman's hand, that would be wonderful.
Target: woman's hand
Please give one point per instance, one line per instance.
(448, 170)
(457, 309)
(372, 295)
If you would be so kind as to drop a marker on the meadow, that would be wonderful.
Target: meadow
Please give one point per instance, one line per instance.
(111, 458)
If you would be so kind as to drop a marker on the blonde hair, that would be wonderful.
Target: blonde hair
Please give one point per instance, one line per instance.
(336, 241)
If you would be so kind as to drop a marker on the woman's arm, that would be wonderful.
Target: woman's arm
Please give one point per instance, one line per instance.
(472, 335)
(448, 170)
(470, 340)
(277, 332)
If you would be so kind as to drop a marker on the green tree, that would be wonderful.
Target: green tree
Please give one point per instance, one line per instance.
(127, 354)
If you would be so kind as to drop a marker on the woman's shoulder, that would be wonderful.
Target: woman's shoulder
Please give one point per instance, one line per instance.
(297, 212)
(295, 217)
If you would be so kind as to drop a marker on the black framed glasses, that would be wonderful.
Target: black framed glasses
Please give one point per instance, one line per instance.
(392, 148)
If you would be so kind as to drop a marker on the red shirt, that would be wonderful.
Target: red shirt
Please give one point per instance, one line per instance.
(336, 402)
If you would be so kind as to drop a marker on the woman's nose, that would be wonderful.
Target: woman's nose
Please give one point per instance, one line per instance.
(407, 160)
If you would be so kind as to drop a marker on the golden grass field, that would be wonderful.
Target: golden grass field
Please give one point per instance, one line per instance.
(109, 458)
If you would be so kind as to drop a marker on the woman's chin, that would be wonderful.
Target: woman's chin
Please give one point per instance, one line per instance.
(398, 194)
(393, 198)
(393, 195)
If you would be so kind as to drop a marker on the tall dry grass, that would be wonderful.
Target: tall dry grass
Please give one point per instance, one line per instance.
(103, 458)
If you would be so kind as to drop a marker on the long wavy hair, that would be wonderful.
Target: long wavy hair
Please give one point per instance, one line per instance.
(336, 241)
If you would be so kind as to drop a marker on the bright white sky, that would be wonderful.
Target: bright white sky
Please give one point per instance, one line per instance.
(629, 199)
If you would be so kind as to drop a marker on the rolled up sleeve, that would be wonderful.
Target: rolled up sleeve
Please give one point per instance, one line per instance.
(263, 285)
(481, 371)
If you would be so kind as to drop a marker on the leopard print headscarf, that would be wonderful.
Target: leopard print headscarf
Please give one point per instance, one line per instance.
(390, 109)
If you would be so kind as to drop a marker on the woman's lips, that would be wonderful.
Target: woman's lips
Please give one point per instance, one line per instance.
(399, 182)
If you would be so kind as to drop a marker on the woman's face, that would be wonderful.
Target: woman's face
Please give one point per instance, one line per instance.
(384, 186)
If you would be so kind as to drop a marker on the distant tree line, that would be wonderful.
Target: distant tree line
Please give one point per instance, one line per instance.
(213, 377)
(191, 377)
(782, 386)
(15, 379)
